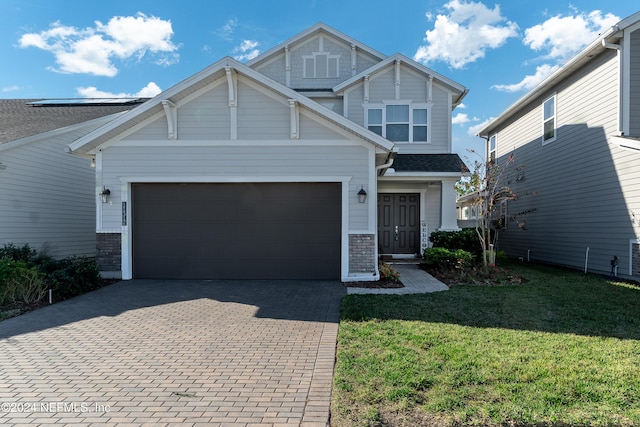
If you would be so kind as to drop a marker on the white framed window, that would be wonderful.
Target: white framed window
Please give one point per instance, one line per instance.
(549, 120)
(321, 65)
(399, 121)
(493, 143)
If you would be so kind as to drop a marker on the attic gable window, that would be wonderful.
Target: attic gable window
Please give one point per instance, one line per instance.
(321, 65)
(399, 122)
(549, 120)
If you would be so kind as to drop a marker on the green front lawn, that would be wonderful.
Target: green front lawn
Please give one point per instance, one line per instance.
(562, 349)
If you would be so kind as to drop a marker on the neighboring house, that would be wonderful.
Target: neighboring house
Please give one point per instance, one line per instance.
(309, 161)
(469, 212)
(46, 194)
(577, 137)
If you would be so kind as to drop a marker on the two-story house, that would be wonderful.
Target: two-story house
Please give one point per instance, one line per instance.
(310, 161)
(577, 138)
(46, 195)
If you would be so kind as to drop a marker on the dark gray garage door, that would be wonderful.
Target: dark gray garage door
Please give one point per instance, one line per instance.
(237, 231)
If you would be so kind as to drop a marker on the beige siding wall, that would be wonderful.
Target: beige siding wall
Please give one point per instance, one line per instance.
(581, 186)
(47, 196)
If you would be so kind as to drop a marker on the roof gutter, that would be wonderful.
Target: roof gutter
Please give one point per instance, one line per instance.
(390, 159)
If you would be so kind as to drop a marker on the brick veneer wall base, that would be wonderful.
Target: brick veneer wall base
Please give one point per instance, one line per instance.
(362, 253)
(109, 251)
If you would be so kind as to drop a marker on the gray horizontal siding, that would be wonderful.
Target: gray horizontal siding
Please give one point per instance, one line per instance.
(48, 198)
(208, 117)
(576, 183)
(634, 90)
(413, 88)
(260, 116)
(244, 162)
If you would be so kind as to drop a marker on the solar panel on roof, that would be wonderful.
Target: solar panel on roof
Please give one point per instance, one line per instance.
(85, 101)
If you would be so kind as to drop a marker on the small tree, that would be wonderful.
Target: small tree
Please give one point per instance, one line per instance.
(487, 189)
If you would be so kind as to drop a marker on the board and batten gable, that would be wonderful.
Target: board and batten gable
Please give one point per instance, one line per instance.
(413, 88)
(48, 195)
(580, 187)
(320, 42)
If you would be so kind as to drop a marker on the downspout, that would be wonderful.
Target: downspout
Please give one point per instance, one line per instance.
(389, 161)
(617, 47)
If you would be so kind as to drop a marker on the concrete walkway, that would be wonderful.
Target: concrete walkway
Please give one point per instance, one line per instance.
(414, 279)
(179, 353)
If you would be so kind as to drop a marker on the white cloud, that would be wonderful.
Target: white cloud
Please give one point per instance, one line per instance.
(461, 105)
(226, 31)
(149, 91)
(12, 88)
(463, 118)
(473, 130)
(92, 50)
(530, 81)
(558, 38)
(247, 50)
(562, 36)
(464, 35)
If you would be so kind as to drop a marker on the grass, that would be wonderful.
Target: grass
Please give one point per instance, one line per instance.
(562, 349)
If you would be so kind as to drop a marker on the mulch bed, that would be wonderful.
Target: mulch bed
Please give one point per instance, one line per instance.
(380, 284)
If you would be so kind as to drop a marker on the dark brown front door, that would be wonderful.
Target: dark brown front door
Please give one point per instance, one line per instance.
(399, 223)
(237, 231)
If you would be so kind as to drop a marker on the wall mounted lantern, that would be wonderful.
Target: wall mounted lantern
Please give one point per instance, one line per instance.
(362, 195)
(104, 195)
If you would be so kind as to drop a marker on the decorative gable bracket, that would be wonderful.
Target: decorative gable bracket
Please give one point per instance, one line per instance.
(295, 119)
(171, 111)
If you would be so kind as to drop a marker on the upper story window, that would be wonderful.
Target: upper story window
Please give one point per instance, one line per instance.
(549, 120)
(402, 122)
(321, 65)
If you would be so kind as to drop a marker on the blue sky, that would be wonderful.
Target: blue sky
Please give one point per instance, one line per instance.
(81, 48)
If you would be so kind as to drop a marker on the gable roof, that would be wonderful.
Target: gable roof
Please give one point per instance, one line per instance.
(604, 41)
(215, 71)
(20, 119)
(309, 33)
(457, 88)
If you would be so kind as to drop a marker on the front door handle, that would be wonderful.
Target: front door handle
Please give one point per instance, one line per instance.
(396, 232)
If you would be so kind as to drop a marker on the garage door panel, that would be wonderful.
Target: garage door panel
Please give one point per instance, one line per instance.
(256, 231)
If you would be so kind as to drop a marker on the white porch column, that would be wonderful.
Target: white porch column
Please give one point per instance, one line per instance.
(448, 214)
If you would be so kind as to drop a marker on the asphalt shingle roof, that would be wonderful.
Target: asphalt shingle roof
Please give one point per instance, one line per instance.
(429, 163)
(19, 120)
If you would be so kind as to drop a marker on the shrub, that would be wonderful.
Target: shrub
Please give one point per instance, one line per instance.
(466, 239)
(388, 273)
(443, 258)
(23, 253)
(71, 276)
(20, 282)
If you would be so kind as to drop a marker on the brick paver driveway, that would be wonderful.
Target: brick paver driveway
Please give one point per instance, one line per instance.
(174, 353)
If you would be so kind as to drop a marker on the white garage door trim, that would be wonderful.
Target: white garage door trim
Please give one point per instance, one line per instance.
(126, 241)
